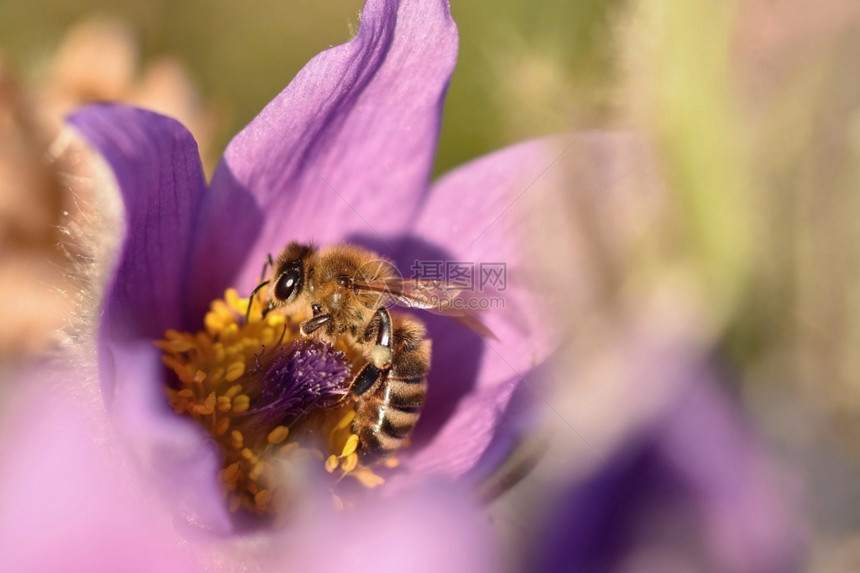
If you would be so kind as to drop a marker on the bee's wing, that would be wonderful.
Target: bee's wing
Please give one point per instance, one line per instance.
(431, 296)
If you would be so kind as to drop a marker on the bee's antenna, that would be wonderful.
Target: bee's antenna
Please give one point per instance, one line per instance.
(263, 282)
(266, 264)
(251, 299)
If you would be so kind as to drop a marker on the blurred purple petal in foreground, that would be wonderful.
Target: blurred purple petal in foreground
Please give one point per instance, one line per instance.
(690, 490)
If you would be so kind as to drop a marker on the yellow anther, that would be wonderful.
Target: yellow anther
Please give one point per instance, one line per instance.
(218, 352)
(263, 498)
(350, 463)
(181, 345)
(204, 341)
(207, 407)
(221, 367)
(237, 439)
(350, 446)
(213, 323)
(234, 371)
(241, 403)
(367, 478)
(257, 470)
(288, 447)
(231, 473)
(331, 463)
(184, 374)
(220, 308)
(171, 334)
(233, 391)
(221, 427)
(233, 300)
(278, 435)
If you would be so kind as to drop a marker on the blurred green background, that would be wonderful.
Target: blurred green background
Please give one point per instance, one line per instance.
(241, 54)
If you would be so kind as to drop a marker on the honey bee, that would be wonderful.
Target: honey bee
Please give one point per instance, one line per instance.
(346, 289)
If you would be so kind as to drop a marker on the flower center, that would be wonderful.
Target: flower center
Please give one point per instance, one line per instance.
(271, 400)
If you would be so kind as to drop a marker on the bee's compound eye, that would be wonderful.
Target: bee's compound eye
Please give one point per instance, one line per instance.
(289, 284)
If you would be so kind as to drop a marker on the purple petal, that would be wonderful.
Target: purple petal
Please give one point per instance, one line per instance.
(693, 491)
(74, 500)
(71, 501)
(347, 147)
(173, 452)
(433, 528)
(485, 212)
(156, 164)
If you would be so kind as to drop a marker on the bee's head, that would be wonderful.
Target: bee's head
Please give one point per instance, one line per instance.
(324, 284)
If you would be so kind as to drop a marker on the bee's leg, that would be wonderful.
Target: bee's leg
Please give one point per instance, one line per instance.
(311, 325)
(380, 355)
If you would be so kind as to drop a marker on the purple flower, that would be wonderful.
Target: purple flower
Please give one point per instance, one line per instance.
(689, 489)
(344, 153)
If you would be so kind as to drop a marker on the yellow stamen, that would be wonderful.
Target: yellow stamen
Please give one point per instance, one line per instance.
(350, 463)
(257, 471)
(236, 439)
(241, 403)
(367, 478)
(218, 378)
(278, 435)
(221, 427)
(263, 498)
(234, 371)
(233, 391)
(331, 463)
(350, 446)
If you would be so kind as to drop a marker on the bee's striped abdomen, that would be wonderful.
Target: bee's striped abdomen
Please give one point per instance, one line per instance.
(388, 412)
